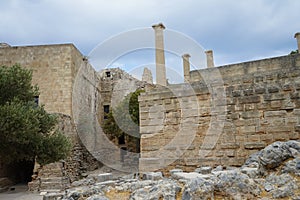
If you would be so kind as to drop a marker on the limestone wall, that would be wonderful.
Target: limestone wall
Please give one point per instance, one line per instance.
(54, 69)
(223, 116)
(68, 86)
(114, 85)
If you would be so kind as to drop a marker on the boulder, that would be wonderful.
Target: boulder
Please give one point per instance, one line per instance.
(198, 188)
(163, 189)
(273, 155)
(280, 186)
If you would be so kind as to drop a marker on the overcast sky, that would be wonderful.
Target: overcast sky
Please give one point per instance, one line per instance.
(235, 30)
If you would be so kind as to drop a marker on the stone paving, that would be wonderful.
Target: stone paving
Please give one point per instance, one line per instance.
(20, 193)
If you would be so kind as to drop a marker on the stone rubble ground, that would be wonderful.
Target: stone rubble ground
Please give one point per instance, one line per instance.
(271, 173)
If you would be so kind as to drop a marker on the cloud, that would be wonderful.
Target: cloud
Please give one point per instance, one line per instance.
(235, 30)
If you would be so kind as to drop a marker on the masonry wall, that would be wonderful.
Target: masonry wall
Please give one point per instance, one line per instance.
(114, 85)
(221, 117)
(68, 85)
(54, 70)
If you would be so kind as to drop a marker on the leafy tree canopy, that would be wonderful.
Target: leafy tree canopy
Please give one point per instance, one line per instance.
(27, 131)
(124, 119)
(294, 52)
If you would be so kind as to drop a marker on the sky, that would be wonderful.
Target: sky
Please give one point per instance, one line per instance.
(237, 31)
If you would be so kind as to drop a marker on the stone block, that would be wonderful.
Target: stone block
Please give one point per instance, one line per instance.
(248, 92)
(232, 145)
(276, 104)
(187, 176)
(247, 129)
(230, 153)
(250, 107)
(260, 90)
(274, 97)
(259, 79)
(249, 99)
(281, 136)
(278, 129)
(236, 93)
(203, 170)
(296, 111)
(277, 113)
(287, 87)
(251, 114)
(149, 164)
(53, 196)
(297, 128)
(104, 177)
(254, 145)
(173, 171)
(154, 176)
(295, 95)
(273, 89)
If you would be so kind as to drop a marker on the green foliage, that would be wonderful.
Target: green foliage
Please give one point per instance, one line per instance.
(124, 119)
(27, 131)
(294, 52)
(15, 82)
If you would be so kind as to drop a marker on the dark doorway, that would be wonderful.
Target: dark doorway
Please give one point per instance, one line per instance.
(106, 111)
(122, 139)
(21, 171)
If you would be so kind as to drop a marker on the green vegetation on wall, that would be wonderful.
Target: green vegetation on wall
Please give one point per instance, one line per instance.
(124, 119)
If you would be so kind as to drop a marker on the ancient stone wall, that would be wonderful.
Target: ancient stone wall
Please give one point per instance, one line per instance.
(114, 85)
(223, 116)
(58, 176)
(54, 69)
(68, 86)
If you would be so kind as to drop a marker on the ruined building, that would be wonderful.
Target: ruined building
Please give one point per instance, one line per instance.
(218, 116)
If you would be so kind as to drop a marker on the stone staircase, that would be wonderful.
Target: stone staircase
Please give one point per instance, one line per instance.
(52, 178)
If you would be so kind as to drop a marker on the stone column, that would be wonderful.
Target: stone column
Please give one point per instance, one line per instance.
(209, 58)
(160, 55)
(186, 67)
(297, 36)
(147, 76)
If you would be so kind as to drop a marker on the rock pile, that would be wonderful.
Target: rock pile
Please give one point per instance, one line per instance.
(271, 173)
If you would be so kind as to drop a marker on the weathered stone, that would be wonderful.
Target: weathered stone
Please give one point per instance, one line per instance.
(281, 186)
(254, 145)
(249, 99)
(187, 176)
(252, 172)
(203, 170)
(273, 155)
(164, 189)
(104, 177)
(53, 196)
(234, 182)
(152, 176)
(173, 171)
(5, 183)
(198, 188)
(97, 197)
(273, 89)
(292, 166)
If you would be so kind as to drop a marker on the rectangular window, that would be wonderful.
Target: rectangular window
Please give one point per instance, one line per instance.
(106, 110)
(107, 74)
(36, 100)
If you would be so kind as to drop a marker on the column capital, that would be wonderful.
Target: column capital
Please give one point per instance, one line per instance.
(158, 26)
(208, 51)
(186, 55)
